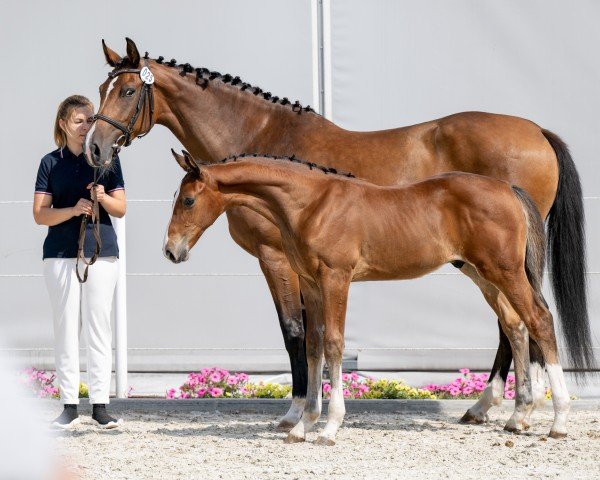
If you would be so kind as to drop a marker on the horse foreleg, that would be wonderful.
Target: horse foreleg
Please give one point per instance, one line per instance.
(314, 355)
(285, 290)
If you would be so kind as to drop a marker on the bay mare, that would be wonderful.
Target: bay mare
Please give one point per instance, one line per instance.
(215, 115)
(336, 229)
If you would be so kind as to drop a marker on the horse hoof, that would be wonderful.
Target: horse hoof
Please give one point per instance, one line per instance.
(557, 435)
(325, 441)
(293, 439)
(526, 426)
(285, 426)
(470, 419)
(512, 428)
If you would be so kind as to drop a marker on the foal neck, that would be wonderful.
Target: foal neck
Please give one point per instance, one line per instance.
(278, 186)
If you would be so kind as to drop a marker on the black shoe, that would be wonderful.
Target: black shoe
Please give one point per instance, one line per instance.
(68, 418)
(103, 419)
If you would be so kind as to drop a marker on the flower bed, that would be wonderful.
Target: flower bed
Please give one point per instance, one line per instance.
(220, 383)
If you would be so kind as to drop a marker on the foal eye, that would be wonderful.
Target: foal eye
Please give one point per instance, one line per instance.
(188, 202)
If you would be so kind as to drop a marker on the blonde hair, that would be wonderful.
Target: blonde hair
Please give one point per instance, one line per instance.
(65, 110)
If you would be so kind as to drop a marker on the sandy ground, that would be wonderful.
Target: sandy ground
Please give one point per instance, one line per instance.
(168, 445)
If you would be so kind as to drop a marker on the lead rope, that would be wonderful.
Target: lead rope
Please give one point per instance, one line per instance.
(95, 231)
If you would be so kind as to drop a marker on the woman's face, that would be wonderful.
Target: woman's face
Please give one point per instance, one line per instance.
(77, 125)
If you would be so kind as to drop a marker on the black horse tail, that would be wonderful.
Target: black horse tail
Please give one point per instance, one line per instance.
(535, 256)
(567, 258)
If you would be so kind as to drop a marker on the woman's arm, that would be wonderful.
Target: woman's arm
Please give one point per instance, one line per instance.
(114, 202)
(44, 214)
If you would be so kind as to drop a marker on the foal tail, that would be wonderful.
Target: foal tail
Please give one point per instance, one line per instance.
(566, 250)
(535, 256)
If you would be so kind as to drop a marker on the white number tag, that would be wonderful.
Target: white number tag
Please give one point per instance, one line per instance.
(146, 76)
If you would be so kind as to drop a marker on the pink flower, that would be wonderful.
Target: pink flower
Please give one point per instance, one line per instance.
(242, 377)
(509, 394)
(326, 387)
(201, 392)
(232, 380)
(215, 377)
(454, 391)
(354, 376)
(346, 393)
(215, 392)
(464, 371)
(171, 393)
(345, 377)
(467, 390)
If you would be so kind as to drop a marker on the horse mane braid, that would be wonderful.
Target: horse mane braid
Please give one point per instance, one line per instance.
(289, 158)
(204, 76)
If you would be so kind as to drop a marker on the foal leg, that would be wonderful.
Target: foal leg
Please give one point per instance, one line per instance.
(541, 326)
(494, 392)
(334, 294)
(285, 289)
(314, 353)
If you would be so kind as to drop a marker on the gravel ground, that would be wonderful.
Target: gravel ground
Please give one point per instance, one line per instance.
(159, 445)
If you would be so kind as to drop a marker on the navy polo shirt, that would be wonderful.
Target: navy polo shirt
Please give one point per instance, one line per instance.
(65, 177)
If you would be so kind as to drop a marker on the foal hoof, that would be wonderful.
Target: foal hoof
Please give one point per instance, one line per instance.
(557, 435)
(470, 419)
(325, 441)
(293, 439)
(512, 429)
(285, 426)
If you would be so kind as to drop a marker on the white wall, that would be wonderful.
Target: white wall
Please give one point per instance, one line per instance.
(394, 63)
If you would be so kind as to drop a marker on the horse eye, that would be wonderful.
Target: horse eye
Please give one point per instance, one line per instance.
(129, 92)
(188, 202)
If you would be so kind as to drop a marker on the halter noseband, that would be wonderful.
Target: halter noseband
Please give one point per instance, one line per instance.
(128, 130)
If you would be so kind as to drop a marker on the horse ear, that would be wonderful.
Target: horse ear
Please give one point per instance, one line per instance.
(112, 58)
(132, 53)
(193, 166)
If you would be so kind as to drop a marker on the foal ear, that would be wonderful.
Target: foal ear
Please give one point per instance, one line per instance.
(186, 162)
(194, 167)
(112, 58)
(132, 53)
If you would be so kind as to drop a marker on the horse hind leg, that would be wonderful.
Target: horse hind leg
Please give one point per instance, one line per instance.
(284, 285)
(536, 373)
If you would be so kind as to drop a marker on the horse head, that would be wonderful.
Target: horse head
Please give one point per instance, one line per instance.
(126, 106)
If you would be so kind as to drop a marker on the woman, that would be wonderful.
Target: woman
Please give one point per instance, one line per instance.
(63, 193)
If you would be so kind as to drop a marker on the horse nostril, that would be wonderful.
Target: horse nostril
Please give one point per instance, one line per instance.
(170, 256)
(96, 150)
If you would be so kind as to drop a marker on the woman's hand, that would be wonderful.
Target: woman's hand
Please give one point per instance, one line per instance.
(83, 207)
(97, 192)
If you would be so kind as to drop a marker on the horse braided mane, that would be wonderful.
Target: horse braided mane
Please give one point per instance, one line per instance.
(289, 158)
(204, 76)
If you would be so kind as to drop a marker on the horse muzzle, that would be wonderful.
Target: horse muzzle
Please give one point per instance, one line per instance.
(176, 255)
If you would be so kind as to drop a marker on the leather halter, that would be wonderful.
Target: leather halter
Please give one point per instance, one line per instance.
(146, 93)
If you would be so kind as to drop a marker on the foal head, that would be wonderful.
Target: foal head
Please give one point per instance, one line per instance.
(197, 204)
(126, 99)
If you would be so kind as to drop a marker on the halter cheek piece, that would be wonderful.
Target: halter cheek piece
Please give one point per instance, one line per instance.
(146, 93)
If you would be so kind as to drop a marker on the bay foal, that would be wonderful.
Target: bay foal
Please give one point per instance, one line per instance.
(336, 230)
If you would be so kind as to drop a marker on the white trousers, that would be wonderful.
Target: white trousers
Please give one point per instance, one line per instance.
(76, 306)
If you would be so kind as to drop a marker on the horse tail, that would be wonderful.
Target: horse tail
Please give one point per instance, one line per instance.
(535, 255)
(567, 258)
